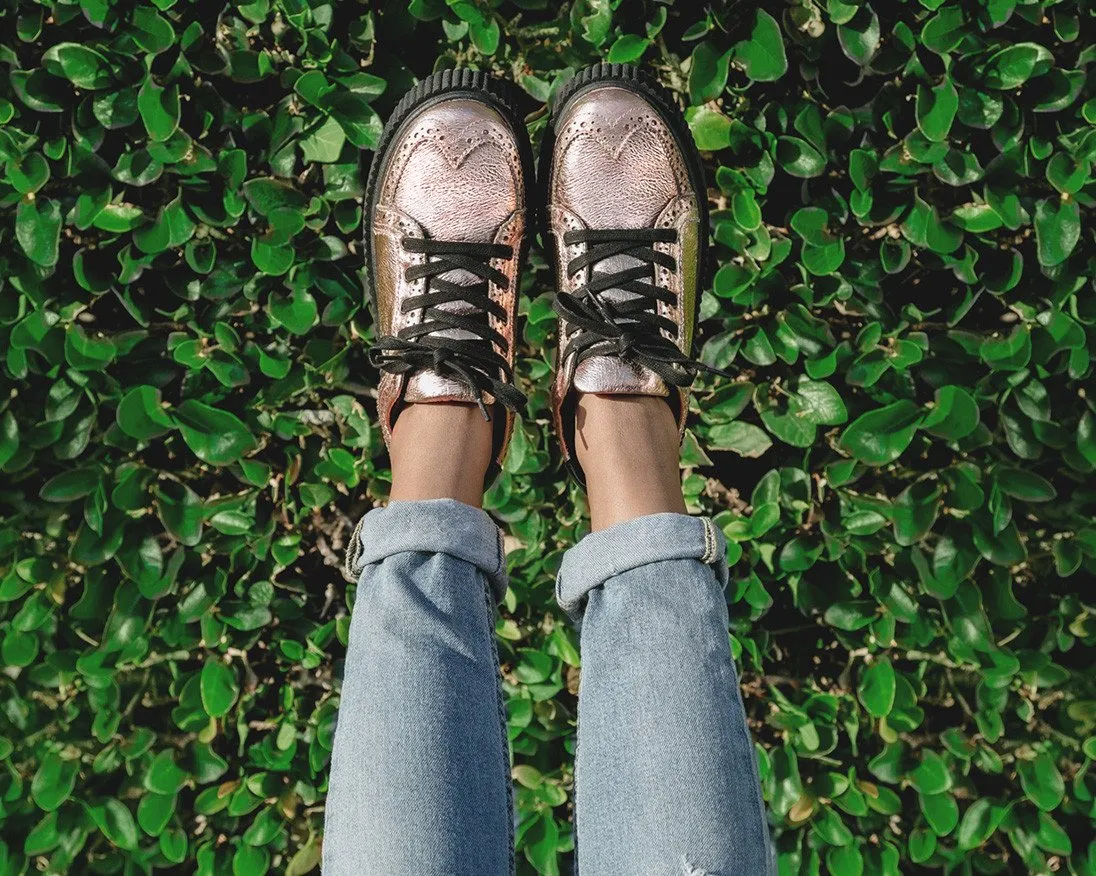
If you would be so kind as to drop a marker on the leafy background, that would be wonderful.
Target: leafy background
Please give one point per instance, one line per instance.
(904, 466)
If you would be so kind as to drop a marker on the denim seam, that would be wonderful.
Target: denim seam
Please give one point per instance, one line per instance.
(574, 795)
(500, 559)
(351, 569)
(710, 542)
(759, 802)
(491, 608)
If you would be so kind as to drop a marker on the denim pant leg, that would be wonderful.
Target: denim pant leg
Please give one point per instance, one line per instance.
(420, 774)
(666, 777)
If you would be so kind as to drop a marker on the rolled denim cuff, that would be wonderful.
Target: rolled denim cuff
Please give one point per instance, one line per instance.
(634, 543)
(433, 526)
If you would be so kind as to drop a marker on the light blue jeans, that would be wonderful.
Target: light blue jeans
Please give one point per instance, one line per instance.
(666, 779)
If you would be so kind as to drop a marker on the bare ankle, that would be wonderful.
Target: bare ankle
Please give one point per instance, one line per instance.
(440, 451)
(628, 448)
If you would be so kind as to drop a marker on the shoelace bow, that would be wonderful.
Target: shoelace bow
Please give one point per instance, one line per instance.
(630, 328)
(472, 361)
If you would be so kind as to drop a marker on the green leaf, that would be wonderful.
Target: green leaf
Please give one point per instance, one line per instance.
(1086, 437)
(941, 812)
(979, 822)
(789, 423)
(29, 174)
(710, 128)
(1027, 485)
(823, 260)
(154, 811)
(485, 34)
(731, 279)
(845, 860)
(141, 414)
(250, 861)
(163, 776)
(173, 845)
(746, 211)
(540, 844)
(859, 38)
(708, 71)
(877, 688)
(218, 687)
(119, 218)
(822, 404)
(1052, 837)
(267, 194)
(1011, 353)
(297, 311)
(116, 823)
(976, 218)
(595, 18)
(324, 145)
(915, 511)
(953, 415)
(54, 781)
(70, 485)
(159, 109)
(829, 827)
(172, 228)
(271, 259)
(853, 614)
(863, 166)
(628, 48)
(932, 776)
(358, 119)
(745, 439)
(924, 228)
(1014, 65)
(81, 65)
(305, 860)
(812, 224)
(38, 230)
(1057, 229)
(944, 30)
(798, 157)
(762, 55)
(879, 437)
(9, 437)
(1042, 782)
(152, 32)
(217, 437)
(936, 109)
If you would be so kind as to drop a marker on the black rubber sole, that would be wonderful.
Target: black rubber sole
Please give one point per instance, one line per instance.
(445, 85)
(633, 78)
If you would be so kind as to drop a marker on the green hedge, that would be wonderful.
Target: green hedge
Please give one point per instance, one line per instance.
(904, 466)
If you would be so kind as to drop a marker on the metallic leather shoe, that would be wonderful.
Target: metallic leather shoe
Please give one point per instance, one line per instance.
(445, 236)
(628, 218)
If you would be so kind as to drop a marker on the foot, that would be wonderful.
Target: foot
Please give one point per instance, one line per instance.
(628, 448)
(445, 233)
(627, 211)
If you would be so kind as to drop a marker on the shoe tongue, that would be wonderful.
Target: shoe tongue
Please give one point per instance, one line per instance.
(611, 375)
(613, 265)
(462, 278)
(427, 385)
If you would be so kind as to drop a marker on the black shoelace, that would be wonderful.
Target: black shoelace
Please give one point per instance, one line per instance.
(472, 361)
(630, 328)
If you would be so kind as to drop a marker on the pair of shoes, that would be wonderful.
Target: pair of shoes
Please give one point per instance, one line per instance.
(449, 214)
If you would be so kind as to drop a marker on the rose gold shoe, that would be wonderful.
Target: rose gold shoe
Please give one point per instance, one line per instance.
(628, 217)
(445, 236)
